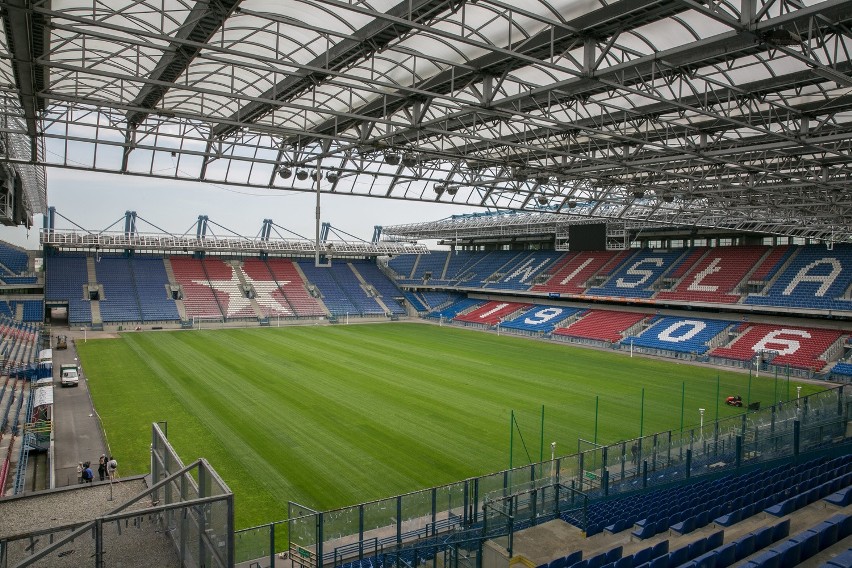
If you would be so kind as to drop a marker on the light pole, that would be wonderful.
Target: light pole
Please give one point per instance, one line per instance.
(701, 424)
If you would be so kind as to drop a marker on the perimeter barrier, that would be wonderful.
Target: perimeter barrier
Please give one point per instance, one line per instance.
(448, 525)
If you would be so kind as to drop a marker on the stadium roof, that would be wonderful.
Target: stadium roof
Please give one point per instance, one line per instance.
(703, 113)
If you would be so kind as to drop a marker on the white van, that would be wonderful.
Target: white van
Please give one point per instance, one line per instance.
(69, 376)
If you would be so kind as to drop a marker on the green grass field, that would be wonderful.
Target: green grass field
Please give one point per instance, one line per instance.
(330, 416)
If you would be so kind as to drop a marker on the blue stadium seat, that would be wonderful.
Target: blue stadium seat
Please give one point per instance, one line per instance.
(842, 560)
(660, 549)
(679, 556)
(781, 530)
(697, 548)
(789, 552)
(768, 559)
(715, 540)
(613, 554)
(745, 546)
(642, 556)
(763, 537)
(726, 555)
(706, 560)
(729, 519)
(809, 543)
(841, 498)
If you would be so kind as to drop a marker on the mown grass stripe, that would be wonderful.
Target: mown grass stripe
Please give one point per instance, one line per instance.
(335, 415)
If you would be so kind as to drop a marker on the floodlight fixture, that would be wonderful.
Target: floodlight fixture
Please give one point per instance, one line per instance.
(572, 204)
(452, 190)
(542, 200)
(332, 176)
(638, 193)
(392, 158)
(285, 173)
(316, 175)
(409, 159)
(542, 179)
(301, 175)
(439, 188)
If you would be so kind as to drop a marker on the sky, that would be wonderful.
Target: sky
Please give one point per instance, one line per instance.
(97, 200)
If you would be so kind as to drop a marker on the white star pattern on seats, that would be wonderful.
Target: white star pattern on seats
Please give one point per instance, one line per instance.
(237, 300)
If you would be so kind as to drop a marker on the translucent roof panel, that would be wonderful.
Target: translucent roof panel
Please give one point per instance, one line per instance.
(524, 105)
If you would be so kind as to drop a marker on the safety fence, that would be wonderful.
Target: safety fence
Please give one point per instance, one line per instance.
(184, 518)
(450, 523)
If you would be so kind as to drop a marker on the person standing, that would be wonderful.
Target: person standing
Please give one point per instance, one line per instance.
(112, 466)
(79, 472)
(87, 473)
(102, 467)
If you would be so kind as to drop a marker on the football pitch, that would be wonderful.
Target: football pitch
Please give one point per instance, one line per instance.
(330, 416)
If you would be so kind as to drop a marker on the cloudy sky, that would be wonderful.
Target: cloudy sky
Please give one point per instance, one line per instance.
(95, 201)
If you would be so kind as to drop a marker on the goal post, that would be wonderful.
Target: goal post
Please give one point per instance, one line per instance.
(199, 322)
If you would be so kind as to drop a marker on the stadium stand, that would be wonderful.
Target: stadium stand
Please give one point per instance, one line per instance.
(814, 278)
(270, 297)
(33, 310)
(19, 280)
(457, 262)
(347, 280)
(521, 275)
(842, 369)
(13, 259)
(403, 265)
(616, 261)
(772, 263)
(576, 270)
(601, 325)
(439, 299)
(490, 265)
(686, 262)
(292, 288)
(491, 313)
(724, 501)
(415, 301)
(386, 289)
(227, 286)
(540, 318)
(428, 265)
(65, 279)
(685, 335)
(119, 302)
(198, 297)
(341, 291)
(797, 347)
(636, 277)
(716, 276)
(456, 308)
(151, 281)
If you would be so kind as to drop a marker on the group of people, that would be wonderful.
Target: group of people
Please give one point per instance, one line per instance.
(107, 467)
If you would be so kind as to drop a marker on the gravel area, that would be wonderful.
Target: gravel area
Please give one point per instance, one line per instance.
(138, 541)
